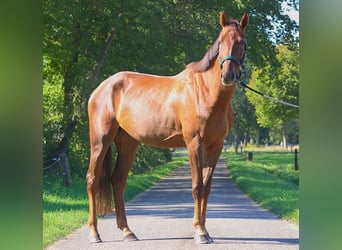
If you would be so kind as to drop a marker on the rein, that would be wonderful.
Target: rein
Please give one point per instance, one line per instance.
(244, 84)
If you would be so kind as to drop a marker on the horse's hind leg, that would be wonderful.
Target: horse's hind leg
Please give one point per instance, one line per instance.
(126, 148)
(102, 133)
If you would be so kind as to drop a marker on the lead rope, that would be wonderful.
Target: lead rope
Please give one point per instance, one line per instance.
(244, 84)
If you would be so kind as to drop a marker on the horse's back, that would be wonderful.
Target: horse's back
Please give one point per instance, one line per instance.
(145, 106)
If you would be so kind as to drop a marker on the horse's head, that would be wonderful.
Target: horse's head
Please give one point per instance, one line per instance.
(232, 47)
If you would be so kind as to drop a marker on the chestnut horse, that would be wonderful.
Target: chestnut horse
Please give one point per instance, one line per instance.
(191, 109)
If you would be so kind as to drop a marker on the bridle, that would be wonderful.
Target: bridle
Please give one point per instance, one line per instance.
(226, 58)
(234, 59)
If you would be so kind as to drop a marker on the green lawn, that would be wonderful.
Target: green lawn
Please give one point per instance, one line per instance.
(66, 209)
(269, 179)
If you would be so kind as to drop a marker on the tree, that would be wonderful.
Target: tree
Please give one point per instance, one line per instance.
(244, 113)
(281, 81)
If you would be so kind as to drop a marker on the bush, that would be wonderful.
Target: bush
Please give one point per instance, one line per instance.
(147, 158)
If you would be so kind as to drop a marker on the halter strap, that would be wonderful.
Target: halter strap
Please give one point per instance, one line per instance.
(225, 58)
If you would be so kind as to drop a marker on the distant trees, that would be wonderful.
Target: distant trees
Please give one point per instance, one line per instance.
(280, 80)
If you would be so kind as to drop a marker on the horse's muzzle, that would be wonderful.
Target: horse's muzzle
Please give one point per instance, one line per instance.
(230, 77)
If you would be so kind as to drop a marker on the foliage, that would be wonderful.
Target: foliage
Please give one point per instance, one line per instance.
(147, 158)
(52, 105)
(276, 132)
(279, 80)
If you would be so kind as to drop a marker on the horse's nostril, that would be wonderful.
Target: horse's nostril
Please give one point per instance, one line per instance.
(224, 76)
(235, 78)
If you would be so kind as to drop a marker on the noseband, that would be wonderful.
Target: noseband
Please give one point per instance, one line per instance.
(235, 60)
(232, 58)
(226, 58)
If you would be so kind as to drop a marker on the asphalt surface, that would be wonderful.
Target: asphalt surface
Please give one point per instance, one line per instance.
(161, 218)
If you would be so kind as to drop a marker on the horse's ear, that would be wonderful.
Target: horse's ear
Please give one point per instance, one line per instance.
(223, 19)
(244, 21)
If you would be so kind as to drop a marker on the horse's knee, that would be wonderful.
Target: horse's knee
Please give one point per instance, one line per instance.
(90, 178)
(194, 190)
(94, 172)
(197, 190)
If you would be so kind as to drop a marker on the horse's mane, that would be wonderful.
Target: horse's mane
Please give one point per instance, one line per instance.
(207, 61)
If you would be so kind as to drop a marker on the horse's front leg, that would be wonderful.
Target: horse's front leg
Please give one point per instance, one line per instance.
(210, 160)
(196, 165)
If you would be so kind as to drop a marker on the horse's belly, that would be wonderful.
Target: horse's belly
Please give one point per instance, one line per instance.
(172, 141)
(155, 131)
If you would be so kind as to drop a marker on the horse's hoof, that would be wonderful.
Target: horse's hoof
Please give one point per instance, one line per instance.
(94, 238)
(130, 237)
(201, 239)
(209, 239)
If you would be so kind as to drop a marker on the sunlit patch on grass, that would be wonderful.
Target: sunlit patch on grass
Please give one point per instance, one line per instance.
(270, 180)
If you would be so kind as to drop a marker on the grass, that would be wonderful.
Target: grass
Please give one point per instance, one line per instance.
(66, 209)
(269, 179)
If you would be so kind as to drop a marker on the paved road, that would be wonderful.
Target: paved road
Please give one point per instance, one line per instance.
(162, 219)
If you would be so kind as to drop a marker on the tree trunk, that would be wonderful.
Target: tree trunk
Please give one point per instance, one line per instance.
(237, 142)
(65, 169)
(64, 143)
(247, 137)
(257, 138)
(284, 135)
(100, 60)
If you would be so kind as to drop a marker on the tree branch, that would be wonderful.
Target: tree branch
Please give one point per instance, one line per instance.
(100, 60)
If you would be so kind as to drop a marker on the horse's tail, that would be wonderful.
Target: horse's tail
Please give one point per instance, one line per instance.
(105, 196)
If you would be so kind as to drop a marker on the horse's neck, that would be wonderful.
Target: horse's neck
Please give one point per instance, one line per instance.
(214, 92)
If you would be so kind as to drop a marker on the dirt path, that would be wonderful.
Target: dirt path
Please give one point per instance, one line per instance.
(161, 218)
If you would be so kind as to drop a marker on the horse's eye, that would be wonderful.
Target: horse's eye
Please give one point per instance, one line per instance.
(243, 44)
